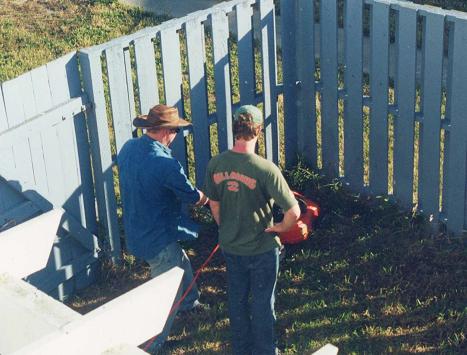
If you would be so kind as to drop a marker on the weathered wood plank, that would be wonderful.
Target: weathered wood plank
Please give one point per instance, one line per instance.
(306, 102)
(130, 86)
(268, 57)
(379, 80)
(146, 73)
(405, 101)
(456, 169)
(329, 110)
(198, 97)
(171, 62)
(38, 164)
(220, 35)
(245, 52)
(288, 40)
(23, 164)
(14, 99)
(100, 149)
(431, 108)
(118, 90)
(353, 104)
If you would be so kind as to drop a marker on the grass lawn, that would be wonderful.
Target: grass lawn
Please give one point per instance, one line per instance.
(371, 279)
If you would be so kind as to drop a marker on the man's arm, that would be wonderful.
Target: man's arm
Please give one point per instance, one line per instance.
(215, 210)
(290, 217)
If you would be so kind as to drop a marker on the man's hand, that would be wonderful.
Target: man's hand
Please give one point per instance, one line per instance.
(290, 218)
(203, 199)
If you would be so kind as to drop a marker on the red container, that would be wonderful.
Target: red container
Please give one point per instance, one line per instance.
(304, 226)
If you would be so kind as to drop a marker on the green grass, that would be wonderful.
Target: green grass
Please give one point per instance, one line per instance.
(56, 27)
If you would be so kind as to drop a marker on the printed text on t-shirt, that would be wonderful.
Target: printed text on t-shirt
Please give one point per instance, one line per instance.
(246, 180)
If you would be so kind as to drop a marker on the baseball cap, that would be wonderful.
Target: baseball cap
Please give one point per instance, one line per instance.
(249, 113)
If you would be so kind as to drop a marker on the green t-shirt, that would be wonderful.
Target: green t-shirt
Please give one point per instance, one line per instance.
(246, 185)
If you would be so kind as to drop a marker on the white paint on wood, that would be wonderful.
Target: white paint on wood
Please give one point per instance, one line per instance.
(328, 349)
(28, 314)
(25, 248)
(129, 319)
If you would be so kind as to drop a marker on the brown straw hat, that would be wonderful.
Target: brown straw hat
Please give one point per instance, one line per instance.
(160, 116)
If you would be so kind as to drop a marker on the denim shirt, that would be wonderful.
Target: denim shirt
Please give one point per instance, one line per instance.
(153, 185)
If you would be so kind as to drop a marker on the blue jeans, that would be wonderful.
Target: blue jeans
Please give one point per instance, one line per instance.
(171, 256)
(252, 322)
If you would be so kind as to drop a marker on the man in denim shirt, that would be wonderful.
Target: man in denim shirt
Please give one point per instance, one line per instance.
(153, 186)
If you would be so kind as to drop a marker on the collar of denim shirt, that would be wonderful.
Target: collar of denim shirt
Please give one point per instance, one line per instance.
(158, 145)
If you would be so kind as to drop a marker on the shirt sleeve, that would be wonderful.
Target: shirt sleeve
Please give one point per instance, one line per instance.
(279, 190)
(177, 181)
(209, 188)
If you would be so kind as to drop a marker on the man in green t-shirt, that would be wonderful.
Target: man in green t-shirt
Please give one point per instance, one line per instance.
(242, 188)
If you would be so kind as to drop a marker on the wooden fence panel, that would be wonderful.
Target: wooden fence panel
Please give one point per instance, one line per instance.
(23, 164)
(245, 52)
(64, 78)
(220, 37)
(456, 145)
(118, 90)
(306, 95)
(431, 109)
(198, 96)
(129, 85)
(146, 73)
(38, 164)
(268, 57)
(405, 101)
(15, 106)
(171, 62)
(329, 95)
(353, 104)
(379, 77)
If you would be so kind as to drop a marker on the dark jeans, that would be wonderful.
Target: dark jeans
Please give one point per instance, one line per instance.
(251, 282)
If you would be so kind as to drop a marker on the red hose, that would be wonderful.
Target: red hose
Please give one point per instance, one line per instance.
(190, 286)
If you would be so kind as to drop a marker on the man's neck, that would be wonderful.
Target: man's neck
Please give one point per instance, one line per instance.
(243, 146)
(160, 137)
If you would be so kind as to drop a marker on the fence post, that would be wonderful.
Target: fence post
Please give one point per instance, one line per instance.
(100, 149)
(288, 31)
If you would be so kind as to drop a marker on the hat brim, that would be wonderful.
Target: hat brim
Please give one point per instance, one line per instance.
(142, 122)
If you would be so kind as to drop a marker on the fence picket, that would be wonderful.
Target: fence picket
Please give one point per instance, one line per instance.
(171, 62)
(456, 169)
(220, 36)
(41, 89)
(431, 109)
(16, 92)
(288, 40)
(245, 52)
(100, 148)
(3, 117)
(64, 78)
(22, 156)
(405, 100)
(268, 58)
(71, 182)
(146, 73)
(379, 80)
(130, 86)
(329, 110)
(118, 90)
(198, 96)
(38, 164)
(353, 105)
